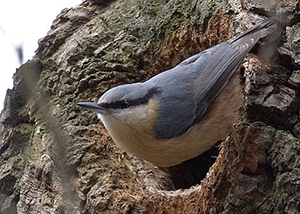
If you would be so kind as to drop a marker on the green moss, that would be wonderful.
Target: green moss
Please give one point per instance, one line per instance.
(34, 142)
(18, 164)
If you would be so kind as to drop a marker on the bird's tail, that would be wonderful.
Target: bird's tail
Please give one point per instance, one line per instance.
(250, 37)
(262, 25)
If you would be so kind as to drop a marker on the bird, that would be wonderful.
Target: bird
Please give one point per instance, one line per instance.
(180, 113)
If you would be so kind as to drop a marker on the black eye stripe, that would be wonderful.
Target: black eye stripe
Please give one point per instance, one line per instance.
(122, 104)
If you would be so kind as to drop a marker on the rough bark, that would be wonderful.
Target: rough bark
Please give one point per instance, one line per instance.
(57, 158)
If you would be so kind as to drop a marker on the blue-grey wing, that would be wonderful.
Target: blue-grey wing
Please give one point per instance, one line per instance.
(189, 89)
(188, 92)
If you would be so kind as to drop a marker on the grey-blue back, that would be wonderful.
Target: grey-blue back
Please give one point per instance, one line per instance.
(187, 91)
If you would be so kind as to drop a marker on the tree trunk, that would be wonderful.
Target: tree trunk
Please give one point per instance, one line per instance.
(57, 158)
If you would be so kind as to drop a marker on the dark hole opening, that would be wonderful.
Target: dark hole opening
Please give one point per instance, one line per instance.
(191, 172)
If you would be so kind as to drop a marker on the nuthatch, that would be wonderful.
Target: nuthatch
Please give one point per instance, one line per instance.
(182, 112)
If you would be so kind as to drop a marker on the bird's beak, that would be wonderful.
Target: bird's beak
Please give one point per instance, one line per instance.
(92, 107)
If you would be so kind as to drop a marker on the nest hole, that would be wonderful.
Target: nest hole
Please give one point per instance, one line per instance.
(191, 172)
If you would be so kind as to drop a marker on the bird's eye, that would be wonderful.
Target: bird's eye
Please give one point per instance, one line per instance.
(118, 104)
(122, 104)
(126, 102)
(104, 105)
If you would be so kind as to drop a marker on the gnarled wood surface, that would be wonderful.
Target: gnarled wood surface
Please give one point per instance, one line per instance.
(57, 158)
